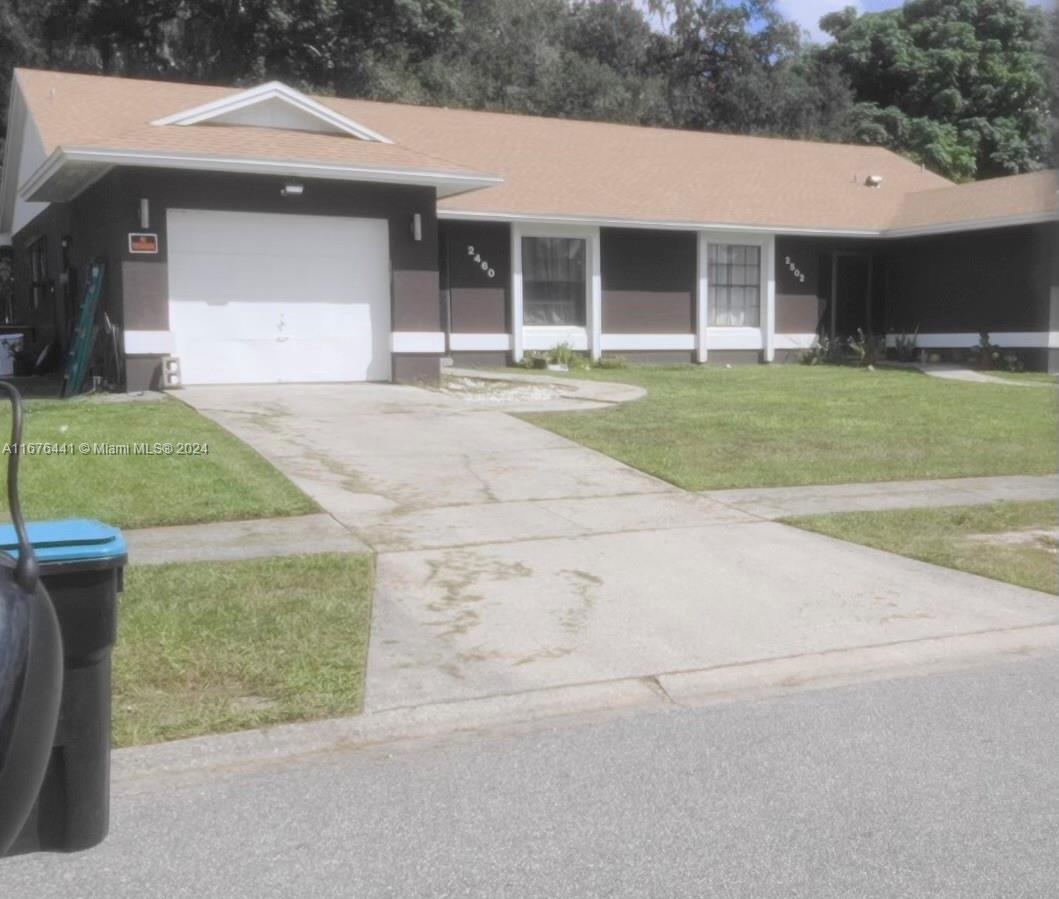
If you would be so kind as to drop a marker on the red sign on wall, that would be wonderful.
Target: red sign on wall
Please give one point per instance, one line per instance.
(143, 243)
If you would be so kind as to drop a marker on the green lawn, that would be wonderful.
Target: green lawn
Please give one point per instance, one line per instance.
(944, 536)
(206, 648)
(703, 427)
(1036, 377)
(231, 482)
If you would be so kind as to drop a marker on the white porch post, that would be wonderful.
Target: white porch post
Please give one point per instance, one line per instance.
(702, 298)
(516, 292)
(595, 298)
(768, 319)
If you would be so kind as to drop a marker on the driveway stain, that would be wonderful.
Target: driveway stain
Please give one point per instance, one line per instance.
(585, 585)
(459, 575)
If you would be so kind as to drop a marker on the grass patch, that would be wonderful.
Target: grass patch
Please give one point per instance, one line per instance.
(232, 482)
(943, 536)
(207, 648)
(1035, 377)
(704, 427)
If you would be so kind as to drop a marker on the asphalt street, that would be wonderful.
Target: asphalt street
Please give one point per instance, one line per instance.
(943, 785)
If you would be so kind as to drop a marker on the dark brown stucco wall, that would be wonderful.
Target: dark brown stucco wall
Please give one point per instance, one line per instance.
(997, 280)
(649, 281)
(798, 302)
(478, 304)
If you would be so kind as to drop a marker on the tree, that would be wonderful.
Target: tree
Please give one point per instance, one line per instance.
(960, 85)
(741, 68)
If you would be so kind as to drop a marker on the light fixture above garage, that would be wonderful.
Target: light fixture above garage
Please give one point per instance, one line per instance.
(293, 190)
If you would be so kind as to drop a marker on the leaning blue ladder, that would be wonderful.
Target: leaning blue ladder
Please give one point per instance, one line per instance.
(84, 335)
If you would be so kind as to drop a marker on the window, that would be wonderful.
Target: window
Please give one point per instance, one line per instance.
(735, 285)
(553, 281)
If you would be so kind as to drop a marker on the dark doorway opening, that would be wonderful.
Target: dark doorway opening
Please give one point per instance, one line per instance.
(851, 294)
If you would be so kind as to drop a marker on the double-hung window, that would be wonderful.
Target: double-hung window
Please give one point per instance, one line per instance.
(553, 281)
(734, 285)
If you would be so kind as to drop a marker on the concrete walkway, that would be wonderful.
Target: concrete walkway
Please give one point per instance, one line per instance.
(512, 561)
(223, 541)
(951, 372)
(783, 502)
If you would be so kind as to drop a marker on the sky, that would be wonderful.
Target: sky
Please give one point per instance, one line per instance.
(808, 13)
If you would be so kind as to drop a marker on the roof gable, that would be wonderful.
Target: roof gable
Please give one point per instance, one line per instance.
(272, 105)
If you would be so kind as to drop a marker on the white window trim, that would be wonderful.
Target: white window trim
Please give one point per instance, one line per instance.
(763, 337)
(479, 342)
(530, 337)
(965, 339)
(544, 337)
(646, 342)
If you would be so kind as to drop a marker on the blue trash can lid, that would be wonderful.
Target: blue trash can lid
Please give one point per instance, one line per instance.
(67, 540)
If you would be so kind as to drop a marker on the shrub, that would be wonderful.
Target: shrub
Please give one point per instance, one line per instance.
(824, 351)
(905, 346)
(611, 362)
(867, 348)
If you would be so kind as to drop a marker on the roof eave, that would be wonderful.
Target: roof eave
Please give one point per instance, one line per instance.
(16, 123)
(85, 165)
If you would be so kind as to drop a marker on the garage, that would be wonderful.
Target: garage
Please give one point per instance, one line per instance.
(265, 298)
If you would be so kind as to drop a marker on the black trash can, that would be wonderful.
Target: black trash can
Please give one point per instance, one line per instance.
(81, 565)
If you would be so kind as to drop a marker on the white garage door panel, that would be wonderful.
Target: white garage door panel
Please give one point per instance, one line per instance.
(257, 298)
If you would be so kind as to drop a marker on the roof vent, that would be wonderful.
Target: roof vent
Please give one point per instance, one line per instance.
(873, 180)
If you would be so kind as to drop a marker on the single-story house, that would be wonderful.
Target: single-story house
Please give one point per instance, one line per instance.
(263, 235)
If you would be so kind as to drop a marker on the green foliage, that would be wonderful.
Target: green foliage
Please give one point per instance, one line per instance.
(905, 346)
(867, 348)
(960, 85)
(988, 355)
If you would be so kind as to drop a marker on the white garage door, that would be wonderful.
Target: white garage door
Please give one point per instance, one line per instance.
(257, 298)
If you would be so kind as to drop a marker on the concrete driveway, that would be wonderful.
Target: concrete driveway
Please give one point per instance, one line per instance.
(510, 559)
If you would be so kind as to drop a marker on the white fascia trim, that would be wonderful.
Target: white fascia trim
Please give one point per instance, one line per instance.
(148, 343)
(1012, 339)
(273, 90)
(779, 230)
(648, 224)
(193, 162)
(417, 342)
(633, 342)
(734, 338)
(795, 341)
(479, 342)
(16, 124)
(544, 337)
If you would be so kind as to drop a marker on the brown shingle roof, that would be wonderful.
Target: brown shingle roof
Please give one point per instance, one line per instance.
(993, 200)
(552, 167)
(571, 168)
(116, 113)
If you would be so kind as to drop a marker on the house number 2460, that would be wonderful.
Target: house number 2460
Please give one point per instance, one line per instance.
(488, 269)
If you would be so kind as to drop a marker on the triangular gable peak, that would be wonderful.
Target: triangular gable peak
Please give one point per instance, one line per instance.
(272, 105)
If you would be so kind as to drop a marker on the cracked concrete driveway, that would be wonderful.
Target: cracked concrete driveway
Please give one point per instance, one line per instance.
(510, 559)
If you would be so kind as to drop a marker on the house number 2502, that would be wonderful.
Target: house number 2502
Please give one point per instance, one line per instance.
(485, 266)
(800, 276)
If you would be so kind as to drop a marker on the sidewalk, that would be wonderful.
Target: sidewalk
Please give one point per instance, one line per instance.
(783, 502)
(223, 541)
